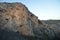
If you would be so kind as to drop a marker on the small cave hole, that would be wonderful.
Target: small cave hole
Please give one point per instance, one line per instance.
(32, 15)
(6, 19)
(21, 25)
(1, 10)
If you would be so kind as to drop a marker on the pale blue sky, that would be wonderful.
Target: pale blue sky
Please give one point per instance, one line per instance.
(44, 9)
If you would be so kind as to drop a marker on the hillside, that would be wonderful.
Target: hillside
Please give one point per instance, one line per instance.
(18, 23)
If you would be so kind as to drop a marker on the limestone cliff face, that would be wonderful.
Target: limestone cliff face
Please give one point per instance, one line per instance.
(17, 18)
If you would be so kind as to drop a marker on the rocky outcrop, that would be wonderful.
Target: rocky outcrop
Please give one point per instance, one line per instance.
(17, 18)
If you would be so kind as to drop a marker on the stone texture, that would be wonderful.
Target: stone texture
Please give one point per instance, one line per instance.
(17, 18)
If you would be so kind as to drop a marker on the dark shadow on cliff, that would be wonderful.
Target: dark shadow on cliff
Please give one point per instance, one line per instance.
(10, 35)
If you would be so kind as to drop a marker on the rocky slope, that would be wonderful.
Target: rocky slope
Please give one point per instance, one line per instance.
(18, 23)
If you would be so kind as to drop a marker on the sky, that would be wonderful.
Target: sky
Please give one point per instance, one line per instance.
(44, 9)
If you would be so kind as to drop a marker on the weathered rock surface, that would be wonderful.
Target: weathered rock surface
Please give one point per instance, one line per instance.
(16, 19)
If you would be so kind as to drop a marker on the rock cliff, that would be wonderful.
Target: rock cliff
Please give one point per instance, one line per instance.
(16, 18)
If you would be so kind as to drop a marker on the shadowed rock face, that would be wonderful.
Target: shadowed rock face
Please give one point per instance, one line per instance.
(17, 18)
